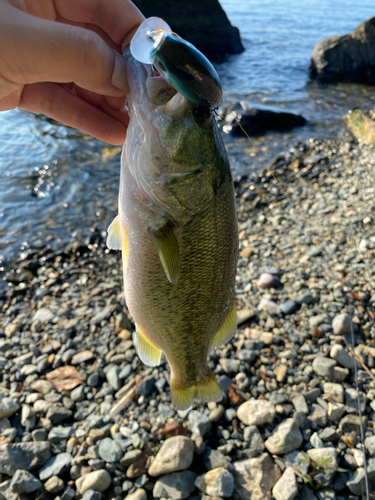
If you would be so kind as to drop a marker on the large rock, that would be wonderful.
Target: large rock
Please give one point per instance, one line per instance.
(286, 487)
(204, 24)
(26, 456)
(349, 58)
(175, 454)
(257, 121)
(24, 482)
(254, 478)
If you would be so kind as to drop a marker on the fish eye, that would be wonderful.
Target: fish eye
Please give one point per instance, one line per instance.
(202, 114)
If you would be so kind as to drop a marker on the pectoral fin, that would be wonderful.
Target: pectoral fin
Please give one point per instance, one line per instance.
(168, 251)
(149, 354)
(226, 330)
(114, 235)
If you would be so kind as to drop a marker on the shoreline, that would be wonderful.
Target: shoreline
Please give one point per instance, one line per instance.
(307, 220)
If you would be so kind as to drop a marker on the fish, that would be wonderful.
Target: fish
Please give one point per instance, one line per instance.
(177, 230)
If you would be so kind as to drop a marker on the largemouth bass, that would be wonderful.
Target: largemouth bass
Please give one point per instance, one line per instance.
(177, 229)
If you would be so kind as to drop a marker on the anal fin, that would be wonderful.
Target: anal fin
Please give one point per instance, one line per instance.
(206, 390)
(168, 251)
(114, 234)
(149, 354)
(226, 330)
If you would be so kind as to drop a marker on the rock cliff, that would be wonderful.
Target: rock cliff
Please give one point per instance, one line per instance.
(203, 23)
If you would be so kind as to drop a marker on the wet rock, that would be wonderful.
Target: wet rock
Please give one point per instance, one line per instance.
(257, 121)
(24, 456)
(98, 480)
(176, 486)
(175, 454)
(286, 487)
(285, 438)
(55, 466)
(217, 482)
(24, 482)
(254, 478)
(198, 423)
(256, 412)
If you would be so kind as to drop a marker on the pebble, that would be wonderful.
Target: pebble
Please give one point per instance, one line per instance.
(8, 407)
(267, 280)
(98, 480)
(109, 450)
(286, 487)
(139, 494)
(341, 324)
(325, 458)
(175, 454)
(198, 423)
(324, 366)
(55, 466)
(338, 353)
(256, 412)
(285, 438)
(24, 456)
(217, 482)
(176, 486)
(54, 484)
(24, 482)
(334, 391)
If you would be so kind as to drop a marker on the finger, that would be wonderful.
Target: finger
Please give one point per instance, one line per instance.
(60, 104)
(114, 103)
(115, 17)
(35, 50)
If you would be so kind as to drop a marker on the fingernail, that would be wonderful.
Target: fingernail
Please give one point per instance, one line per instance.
(119, 79)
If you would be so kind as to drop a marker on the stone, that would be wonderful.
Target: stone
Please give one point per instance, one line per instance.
(24, 456)
(285, 438)
(54, 484)
(351, 400)
(341, 324)
(316, 321)
(109, 450)
(43, 314)
(24, 482)
(112, 375)
(176, 486)
(324, 458)
(57, 414)
(42, 386)
(55, 466)
(253, 440)
(175, 454)
(346, 58)
(339, 353)
(198, 423)
(318, 415)
(214, 458)
(286, 487)
(370, 445)
(68, 494)
(267, 280)
(299, 403)
(256, 121)
(352, 423)
(92, 495)
(139, 494)
(340, 373)
(256, 412)
(297, 459)
(217, 482)
(59, 433)
(316, 441)
(357, 482)
(98, 480)
(254, 478)
(78, 394)
(334, 391)
(335, 411)
(281, 373)
(146, 386)
(324, 366)
(288, 307)
(8, 407)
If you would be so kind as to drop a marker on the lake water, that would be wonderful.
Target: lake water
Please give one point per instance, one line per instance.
(57, 184)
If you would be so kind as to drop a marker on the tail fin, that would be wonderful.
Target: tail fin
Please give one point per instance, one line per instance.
(206, 390)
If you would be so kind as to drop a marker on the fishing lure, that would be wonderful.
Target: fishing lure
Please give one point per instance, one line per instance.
(184, 67)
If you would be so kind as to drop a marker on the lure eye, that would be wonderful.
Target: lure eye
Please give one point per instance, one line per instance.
(202, 114)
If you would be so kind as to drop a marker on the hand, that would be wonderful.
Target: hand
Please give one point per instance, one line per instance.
(63, 58)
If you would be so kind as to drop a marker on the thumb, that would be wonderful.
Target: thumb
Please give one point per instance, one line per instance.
(38, 50)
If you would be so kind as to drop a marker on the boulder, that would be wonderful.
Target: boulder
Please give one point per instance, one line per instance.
(349, 58)
(204, 24)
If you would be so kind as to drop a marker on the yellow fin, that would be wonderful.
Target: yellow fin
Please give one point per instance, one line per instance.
(206, 390)
(149, 354)
(226, 330)
(114, 234)
(167, 248)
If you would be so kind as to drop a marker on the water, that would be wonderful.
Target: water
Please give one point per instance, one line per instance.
(57, 184)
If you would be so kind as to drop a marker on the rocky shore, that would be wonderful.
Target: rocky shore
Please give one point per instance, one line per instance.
(82, 417)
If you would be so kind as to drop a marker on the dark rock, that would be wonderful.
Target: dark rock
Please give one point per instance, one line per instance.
(349, 58)
(24, 482)
(57, 465)
(257, 121)
(212, 33)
